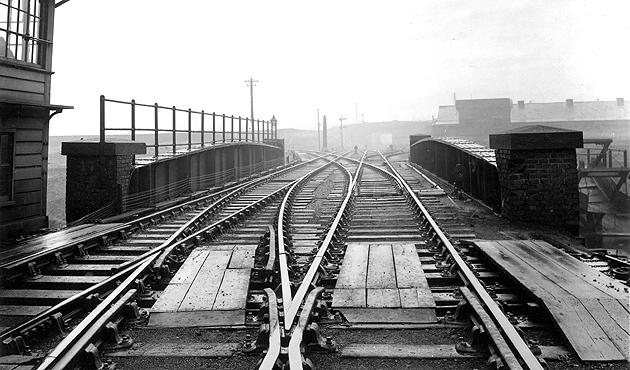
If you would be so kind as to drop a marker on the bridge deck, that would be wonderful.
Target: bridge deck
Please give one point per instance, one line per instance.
(590, 308)
(210, 289)
(383, 283)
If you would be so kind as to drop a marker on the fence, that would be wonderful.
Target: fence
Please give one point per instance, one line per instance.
(607, 158)
(231, 128)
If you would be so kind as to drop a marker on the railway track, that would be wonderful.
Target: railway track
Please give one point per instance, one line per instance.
(307, 230)
(381, 211)
(79, 276)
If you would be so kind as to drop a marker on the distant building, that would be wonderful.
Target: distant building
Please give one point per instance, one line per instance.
(25, 112)
(475, 119)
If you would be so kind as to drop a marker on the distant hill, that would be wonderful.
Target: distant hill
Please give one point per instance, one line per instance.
(373, 135)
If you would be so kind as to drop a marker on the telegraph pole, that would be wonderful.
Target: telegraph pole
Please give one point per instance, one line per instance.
(319, 145)
(341, 129)
(251, 83)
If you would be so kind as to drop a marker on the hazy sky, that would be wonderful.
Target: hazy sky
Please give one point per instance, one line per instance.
(395, 59)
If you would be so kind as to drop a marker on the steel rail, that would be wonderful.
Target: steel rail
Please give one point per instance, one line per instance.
(64, 353)
(275, 346)
(124, 269)
(310, 274)
(497, 315)
(9, 266)
(285, 282)
(295, 353)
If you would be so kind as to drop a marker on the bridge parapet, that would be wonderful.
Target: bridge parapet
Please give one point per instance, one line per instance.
(197, 151)
(477, 174)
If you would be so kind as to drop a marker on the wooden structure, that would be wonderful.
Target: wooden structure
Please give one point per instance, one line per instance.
(25, 112)
(590, 308)
(383, 283)
(210, 289)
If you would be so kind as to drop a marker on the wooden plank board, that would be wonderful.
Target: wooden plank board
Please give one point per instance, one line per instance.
(381, 273)
(415, 297)
(409, 273)
(190, 268)
(390, 315)
(589, 315)
(232, 294)
(353, 272)
(421, 351)
(383, 298)
(171, 298)
(183, 319)
(205, 287)
(243, 257)
(349, 298)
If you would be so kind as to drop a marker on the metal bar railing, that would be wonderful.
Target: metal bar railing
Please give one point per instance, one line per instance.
(594, 157)
(179, 141)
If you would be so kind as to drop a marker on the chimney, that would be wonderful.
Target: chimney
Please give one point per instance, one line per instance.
(570, 103)
(620, 102)
(521, 104)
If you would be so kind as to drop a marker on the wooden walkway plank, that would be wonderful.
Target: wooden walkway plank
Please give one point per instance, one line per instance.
(589, 317)
(243, 257)
(543, 265)
(205, 287)
(590, 276)
(349, 298)
(611, 328)
(171, 298)
(189, 269)
(381, 273)
(409, 273)
(353, 273)
(383, 298)
(232, 294)
(415, 297)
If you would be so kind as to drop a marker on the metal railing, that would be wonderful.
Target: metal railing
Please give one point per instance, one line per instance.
(607, 158)
(230, 128)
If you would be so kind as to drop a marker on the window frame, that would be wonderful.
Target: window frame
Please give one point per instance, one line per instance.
(43, 45)
(11, 197)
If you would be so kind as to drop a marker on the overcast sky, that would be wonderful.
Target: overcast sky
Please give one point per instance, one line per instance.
(395, 59)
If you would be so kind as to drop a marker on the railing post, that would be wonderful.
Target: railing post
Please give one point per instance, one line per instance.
(588, 158)
(174, 131)
(268, 131)
(202, 139)
(189, 130)
(258, 131)
(246, 129)
(239, 128)
(610, 161)
(133, 120)
(156, 132)
(102, 119)
(223, 116)
(625, 158)
(231, 129)
(214, 128)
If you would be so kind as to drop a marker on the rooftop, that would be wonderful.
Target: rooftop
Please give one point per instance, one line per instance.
(567, 111)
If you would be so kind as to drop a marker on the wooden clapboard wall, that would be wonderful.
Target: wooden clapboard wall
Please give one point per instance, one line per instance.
(22, 85)
(27, 208)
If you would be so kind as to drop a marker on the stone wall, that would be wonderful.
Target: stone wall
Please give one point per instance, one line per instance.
(537, 169)
(93, 183)
(97, 174)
